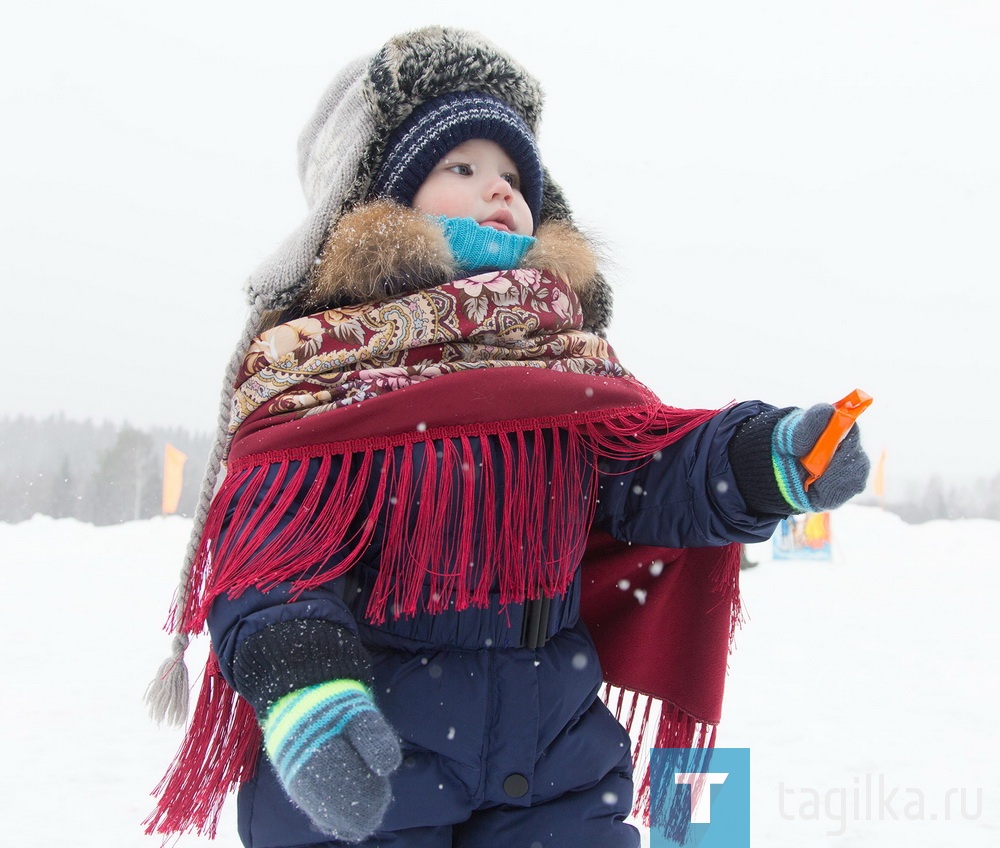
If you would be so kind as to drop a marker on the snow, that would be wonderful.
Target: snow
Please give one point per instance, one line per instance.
(878, 666)
(865, 687)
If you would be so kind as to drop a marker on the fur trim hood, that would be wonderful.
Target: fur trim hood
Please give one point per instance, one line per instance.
(381, 248)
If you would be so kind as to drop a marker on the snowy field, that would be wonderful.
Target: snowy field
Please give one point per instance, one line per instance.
(865, 688)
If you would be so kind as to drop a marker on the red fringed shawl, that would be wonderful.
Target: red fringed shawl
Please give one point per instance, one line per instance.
(498, 357)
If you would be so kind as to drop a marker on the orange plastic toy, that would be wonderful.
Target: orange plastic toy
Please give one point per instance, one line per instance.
(845, 413)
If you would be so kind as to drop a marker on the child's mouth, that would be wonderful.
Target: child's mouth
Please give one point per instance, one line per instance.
(502, 221)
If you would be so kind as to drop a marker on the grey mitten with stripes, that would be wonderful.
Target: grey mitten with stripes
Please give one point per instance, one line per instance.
(333, 752)
(331, 747)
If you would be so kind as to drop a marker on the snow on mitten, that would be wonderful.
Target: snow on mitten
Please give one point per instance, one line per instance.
(333, 752)
(765, 454)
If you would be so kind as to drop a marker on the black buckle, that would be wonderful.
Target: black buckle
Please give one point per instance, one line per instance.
(535, 627)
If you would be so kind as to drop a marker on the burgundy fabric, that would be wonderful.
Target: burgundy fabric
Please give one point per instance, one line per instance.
(467, 400)
(662, 618)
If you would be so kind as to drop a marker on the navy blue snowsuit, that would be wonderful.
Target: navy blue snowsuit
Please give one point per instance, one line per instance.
(503, 744)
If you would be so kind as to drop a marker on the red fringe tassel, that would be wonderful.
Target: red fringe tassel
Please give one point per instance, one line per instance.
(218, 753)
(653, 723)
(280, 511)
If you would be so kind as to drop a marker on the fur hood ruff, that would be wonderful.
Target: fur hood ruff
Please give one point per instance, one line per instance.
(381, 248)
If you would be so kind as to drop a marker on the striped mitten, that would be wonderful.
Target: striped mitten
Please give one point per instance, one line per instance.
(765, 454)
(333, 751)
(845, 476)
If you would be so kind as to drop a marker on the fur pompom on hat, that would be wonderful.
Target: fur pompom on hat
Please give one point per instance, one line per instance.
(444, 123)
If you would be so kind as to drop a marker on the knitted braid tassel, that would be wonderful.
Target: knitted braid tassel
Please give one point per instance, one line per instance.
(168, 694)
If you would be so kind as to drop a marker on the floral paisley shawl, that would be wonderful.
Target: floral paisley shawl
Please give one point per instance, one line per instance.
(342, 356)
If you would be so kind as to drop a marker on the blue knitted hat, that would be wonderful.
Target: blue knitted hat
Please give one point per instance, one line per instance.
(441, 124)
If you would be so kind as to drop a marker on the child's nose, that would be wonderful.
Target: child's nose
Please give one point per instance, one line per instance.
(499, 187)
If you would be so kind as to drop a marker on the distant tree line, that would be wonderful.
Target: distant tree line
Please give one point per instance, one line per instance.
(107, 474)
(99, 473)
(936, 499)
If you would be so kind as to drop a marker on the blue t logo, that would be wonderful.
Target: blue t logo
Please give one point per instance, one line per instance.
(700, 797)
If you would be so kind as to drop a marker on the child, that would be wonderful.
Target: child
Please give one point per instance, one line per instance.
(426, 434)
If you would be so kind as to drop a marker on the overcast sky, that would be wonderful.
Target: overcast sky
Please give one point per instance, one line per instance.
(796, 198)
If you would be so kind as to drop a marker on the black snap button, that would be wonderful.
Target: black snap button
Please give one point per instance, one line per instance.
(515, 785)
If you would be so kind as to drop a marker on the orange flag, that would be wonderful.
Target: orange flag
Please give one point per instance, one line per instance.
(173, 478)
(878, 481)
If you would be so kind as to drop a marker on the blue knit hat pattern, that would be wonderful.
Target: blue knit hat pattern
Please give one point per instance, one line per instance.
(442, 124)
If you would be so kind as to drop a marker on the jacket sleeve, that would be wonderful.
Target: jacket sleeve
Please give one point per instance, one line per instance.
(274, 642)
(685, 495)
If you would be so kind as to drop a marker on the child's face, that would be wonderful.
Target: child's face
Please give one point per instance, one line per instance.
(476, 180)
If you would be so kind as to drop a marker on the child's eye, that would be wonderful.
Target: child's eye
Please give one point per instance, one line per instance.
(513, 179)
(461, 169)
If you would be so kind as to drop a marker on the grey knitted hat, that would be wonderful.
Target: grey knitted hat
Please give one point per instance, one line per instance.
(340, 151)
